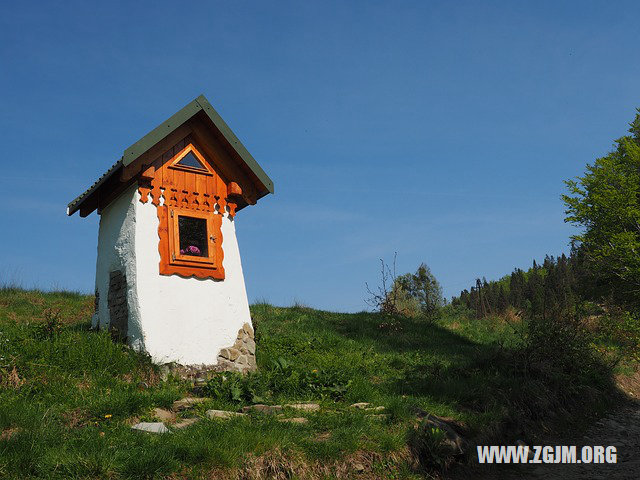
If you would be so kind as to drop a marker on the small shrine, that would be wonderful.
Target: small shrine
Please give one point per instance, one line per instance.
(169, 278)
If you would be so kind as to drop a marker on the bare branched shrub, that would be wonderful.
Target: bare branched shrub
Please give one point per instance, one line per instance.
(385, 299)
(410, 295)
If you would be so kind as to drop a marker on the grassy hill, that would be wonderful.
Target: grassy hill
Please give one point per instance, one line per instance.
(68, 395)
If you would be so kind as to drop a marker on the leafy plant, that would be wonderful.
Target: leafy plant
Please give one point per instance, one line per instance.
(429, 447)
(282, 378)
(409, 295)
(605, 202)
(51, 326)
(423, 289)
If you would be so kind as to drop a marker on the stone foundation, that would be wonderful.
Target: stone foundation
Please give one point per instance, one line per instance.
(241, 356)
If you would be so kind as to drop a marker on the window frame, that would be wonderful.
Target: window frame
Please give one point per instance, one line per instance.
(176, 257)
(190, 147)
(172, 262)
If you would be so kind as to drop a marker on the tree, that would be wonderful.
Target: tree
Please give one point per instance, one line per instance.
(424, 287)
(605, 202)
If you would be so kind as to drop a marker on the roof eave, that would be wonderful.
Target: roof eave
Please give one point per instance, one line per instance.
(235, 142)
(76, 203)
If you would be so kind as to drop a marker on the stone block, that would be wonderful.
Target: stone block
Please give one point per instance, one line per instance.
(271, 409)
(186, 422)
(233, 354)
(187, 402)
(163, 415)
(295, 420)
(251, 345)
(224, 414)
(246, 328)
(151, 427)
(308, 407)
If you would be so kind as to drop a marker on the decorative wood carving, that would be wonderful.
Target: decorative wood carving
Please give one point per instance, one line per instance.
(188, 187)
(234, 189)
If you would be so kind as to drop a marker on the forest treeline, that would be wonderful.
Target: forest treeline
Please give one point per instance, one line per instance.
(556, 286)
(596, 287)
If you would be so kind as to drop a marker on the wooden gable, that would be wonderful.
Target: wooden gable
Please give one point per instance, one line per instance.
(220, 183)
(143, 162)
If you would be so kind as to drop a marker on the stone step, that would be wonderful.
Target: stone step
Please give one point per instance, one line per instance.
(187, 402)
(151, 427)
(225, 414)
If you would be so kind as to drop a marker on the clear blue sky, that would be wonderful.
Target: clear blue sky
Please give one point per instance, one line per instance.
(440, 130)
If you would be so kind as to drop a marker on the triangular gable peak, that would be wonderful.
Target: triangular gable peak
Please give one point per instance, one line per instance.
(194, 173)
(197, 130)
(190, 160)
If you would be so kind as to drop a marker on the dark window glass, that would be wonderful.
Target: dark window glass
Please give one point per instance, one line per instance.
(190, 160)
(193, 236)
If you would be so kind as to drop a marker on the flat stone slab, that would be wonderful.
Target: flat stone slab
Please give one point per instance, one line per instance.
(380, 416)
(163, 415)
(376, 409)
(186, 422)
(151, 427)
(187, 402)
(307, 407)
(295, 420)
(361, 405)
(262, 408)
(225, 414)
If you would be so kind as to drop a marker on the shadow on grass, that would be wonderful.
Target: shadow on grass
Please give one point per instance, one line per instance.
(516, 393)
(401, 335)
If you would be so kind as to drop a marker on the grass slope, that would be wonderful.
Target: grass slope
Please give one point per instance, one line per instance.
(69, 395)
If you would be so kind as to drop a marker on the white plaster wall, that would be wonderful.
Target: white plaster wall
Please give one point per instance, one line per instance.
(116, 251)
(186, 320)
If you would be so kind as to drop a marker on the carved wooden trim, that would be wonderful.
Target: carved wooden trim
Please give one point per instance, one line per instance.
(234, 189)
(186, 187)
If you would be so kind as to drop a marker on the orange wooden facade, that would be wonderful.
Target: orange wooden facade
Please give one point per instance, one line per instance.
(206, 193)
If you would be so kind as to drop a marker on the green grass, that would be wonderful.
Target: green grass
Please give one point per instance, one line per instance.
(68, 395)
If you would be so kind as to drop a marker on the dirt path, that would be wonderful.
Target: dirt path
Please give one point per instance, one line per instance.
(620, 428)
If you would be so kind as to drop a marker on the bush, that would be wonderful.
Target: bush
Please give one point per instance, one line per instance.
(51, 326)
(429, 447)
(617, 333)
(410, 295)
(557, 368)
(423, 288)
(280, 378)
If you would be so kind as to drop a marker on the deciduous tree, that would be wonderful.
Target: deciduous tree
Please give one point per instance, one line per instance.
(605, 202)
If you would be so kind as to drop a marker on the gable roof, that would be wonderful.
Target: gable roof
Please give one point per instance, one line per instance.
(200, 104)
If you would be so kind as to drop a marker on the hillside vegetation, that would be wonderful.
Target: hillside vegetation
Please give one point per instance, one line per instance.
(68, 395)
